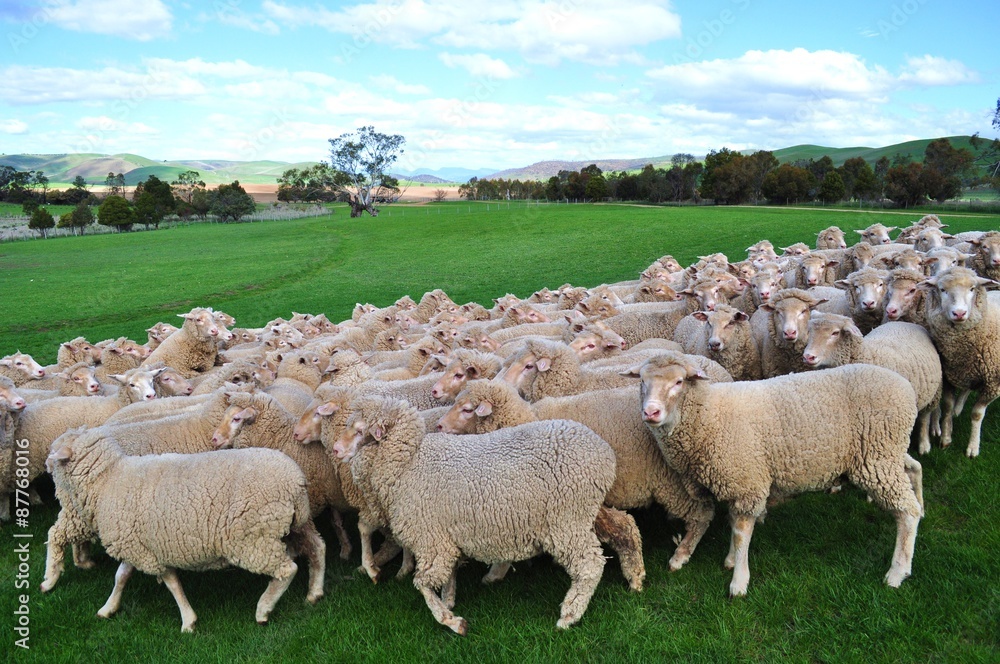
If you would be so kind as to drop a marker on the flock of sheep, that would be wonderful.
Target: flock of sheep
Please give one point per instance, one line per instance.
(497, 434)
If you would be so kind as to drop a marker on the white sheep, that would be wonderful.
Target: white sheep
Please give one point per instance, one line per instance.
(718, 435)
(964, 321)
(986, 257)
(193, 348)
(905, 348)
(876, 234)
(865, 292)
(830, 238)
(725, 336)
(551, 369)
(499, 497)
(781, 330)
(21, 368)
(235, 507)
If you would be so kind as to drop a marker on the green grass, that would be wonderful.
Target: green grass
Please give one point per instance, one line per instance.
(816, 592)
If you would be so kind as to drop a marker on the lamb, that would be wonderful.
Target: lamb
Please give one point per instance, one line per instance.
(499, 497)
(259, 420)
(905, 348)
(412, 360)
(636, 325)
(347, 368)
(865, 292)
(908, 258)
(654, 290)
(930, 238)
(299, 374)
(245, 507)
(724, 335)
(815, 271)
(717, 435)
(641, 476)
(876, 234)
(830, 238)
(551, 369)
(768, 280)
(170, 383)
(964, 322)
(594, 341)
(940, 259)
(21, 368)
(193, 348)
(781, 330)
(239, 372)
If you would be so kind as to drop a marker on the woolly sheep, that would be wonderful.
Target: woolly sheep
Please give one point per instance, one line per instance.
(77, 350)
(299, 374)
(781, 330)
(865, 292)
(238, 507)
(830, 238)
(641, 475)
(157, 333)
(636, 325)
(239, 372)
(876, 234)
(930, 238)
(986, 258)
(905, 348)
(192, 349)
(717, 435)
(21, 368)
(465, 365)
(964, 322)
(940, 259)
(551, 369)
(411, 360)
(724, 335)
(78, 380)
(499, 497)
(347, 368)
(904, 301)
(119, 356)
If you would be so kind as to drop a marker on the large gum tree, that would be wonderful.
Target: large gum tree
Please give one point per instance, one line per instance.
(360, 162)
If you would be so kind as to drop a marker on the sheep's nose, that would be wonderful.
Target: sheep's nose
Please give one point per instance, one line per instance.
(892, 312)
(440, 427)
(652, 414)
(714, 344)
(791, 334)
(809, 358)
(868, 305)
(959, 314)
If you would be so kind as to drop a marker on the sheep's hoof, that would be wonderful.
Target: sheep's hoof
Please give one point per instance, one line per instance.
(105, 613)
(678, 560)
(458, 625)
(312, 599)
(86, 564)
(972, 452)
(566, 621)
(189, 629)
(345, 552)
(895, 577)
(924, 448)
(47, 586)
(737, 589)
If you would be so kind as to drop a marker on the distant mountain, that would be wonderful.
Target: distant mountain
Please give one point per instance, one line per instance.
(914, 149)
(426, 179)
(543, 170)
(459, 175)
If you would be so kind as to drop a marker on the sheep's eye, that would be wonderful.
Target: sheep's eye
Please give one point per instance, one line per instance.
(132, 385)
(911, 291)
(459, 376)
(236, 419)
(836, 333)
(529, 365)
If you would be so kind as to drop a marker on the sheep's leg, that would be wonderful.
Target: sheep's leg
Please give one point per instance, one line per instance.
(947, 414)
(188, 617)
(978, 413)
(122, 576)
(33, 497)
(585, 564)
(407, 567)
(367, 560)
(275, 589)
(924, 428)
(960, 401)
(936, 419)
(694, 530)
(618, 530)
(497, 572)
(342, 537)
(915, 472)
(742, 532)
(902, 557)
(314, 548)
(437, 573)
(55, 552)
(450, 589)
(81, 555)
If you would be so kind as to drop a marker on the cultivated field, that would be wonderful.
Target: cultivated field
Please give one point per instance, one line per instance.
(816, 593)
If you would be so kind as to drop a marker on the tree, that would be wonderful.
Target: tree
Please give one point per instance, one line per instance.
(29, 206)
(41, 221)
(596, 188)
(757, 166)
(41, 180)
(116, 213)
(881, 176)
(788, 184)
(361, 162)
(147, 212)
(850, 172)
(185, 184)
(79, 192)
(201, 201)
(440, 195)
(80, 217)
(904, 185)
(309, 184)
(115, 184)
(832, 189)
(230, 202)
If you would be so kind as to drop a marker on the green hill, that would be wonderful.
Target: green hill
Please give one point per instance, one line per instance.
(915, 149)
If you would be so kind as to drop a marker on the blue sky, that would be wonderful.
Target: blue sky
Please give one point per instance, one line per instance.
(498, 84)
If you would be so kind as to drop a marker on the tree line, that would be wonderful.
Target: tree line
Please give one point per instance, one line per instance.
(150, 203)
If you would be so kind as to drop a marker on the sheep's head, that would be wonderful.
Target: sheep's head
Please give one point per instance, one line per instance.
(473, 407)
(940, 259)
(908, 259)
(84, 376)
(988, 247)
(797, 249)
(826, 333)
(233, 421)
(831, 238)
(139, 382)
(25, 364)
(201, 323)
(722, 325)
(902, 296)
(865, 288)
(812, 269)
(663, 380)
(658, 290)
(9, 398)
(960, 294)
(876, 234)
(461, 369)
(790, 309)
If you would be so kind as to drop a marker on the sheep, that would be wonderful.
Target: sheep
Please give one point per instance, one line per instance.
(464, 366)
(156, 334)
(11, 404)
(78, 380)
(259, 420)
(411, 360)
(930, 238)
(245, 507)
(724, 335)
(170, 383)
(905, 348)
(192, 349)
(986, 258)
(781, 330)
(347, 368)
(940, 259)
(830, 238)
(21, 368)
(119, 356)
(551, 369)
(239, 372)
(594, 341)
(716, 434)
(799, 249)
(654, 290)
(75, 351)
(298, 376)
(475, 336)
(641, 475)
(429, 305)
(636, 325)
(904, 301)
(908, 258)
(499, 497)
(766, 281)
(964, 322)
(876, 234)
(865, 292)
(815, 271)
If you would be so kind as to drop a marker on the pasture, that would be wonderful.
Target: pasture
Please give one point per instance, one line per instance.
(816, 592)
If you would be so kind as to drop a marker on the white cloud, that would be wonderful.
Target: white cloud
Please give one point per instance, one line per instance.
(141, 21)
(546, 31)
(103, 123)
(929, 70)
(40, 85)
(388, 82)
(479, 65)
(234, 17)
(13, 126)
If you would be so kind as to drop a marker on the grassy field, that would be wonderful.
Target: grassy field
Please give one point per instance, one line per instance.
(816, 592)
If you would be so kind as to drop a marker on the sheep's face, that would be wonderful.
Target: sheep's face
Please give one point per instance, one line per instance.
(670, 264)
(85, 379)
(863, 255)
(876, 234)
(791, 319)
(173, 384)
(707, 294)
(989, 248)
(10, 399)
(812, 268)
(351, 439)
(867, 292)
(456, 374)
(902, 297)
(826, 333)
(203, 323)
(662, 384)
(930, 238)
(233, 421)
(522, 368)
(141, 384)
(797, 249)
(908, 259)
(831, 238)
(310, 425)
(766, 284)
(544, 295)
(463, 416)
(960, 293)
(939, 260)
(25, 364)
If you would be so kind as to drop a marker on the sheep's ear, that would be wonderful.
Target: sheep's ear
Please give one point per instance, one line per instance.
(818, 302)
(697, 373)
(842, 284)
(249, 415)
(184, 316)
(327, 409)
(982, 281)
(64, 453)
(928, 284)
(116, 351)
(62, 374)
(634, 372)
(118, 377)
(424, 351)
(891, 228)
(832, 263)
(378, 432)
(864, 233)
(700, 315)
(544, 364)
(157, 372)
(851, 328)
(7, 362)
(484, 409)
(472, 372)
(741, 316)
